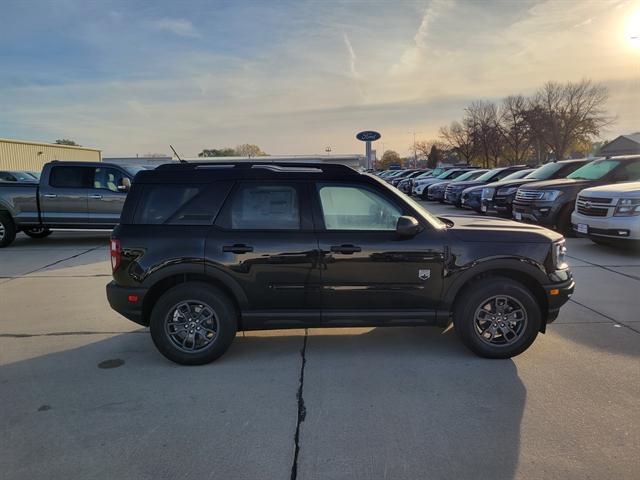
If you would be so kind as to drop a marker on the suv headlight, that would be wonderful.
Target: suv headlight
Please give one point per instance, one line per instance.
(559, 255)
(550, 195)
(487, 193)
(507, 191)
(627, 207)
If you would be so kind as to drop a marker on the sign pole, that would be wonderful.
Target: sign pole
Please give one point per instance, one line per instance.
(368, 153)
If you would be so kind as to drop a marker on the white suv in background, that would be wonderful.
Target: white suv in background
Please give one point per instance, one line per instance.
(609, 213)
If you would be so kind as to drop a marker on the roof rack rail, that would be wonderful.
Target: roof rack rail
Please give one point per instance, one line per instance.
(284, 167)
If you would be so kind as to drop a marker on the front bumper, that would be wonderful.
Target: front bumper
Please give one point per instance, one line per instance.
(501, 205)
(557, 295)
(453, 197)
(435, 194)
(543, 213)
(122, 301)
(624, 228)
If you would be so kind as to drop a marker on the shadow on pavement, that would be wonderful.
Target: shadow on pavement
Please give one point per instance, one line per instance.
(395, 403)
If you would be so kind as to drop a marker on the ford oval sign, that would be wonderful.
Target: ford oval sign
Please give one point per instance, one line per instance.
(368, 136)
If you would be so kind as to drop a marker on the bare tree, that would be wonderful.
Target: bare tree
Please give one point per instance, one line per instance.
(483, 118)
(566, 115)
(459, 138)
(515, 130)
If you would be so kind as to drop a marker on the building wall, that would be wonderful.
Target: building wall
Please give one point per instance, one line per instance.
(21, 155)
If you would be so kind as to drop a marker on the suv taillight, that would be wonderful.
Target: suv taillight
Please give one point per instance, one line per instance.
(114, 248)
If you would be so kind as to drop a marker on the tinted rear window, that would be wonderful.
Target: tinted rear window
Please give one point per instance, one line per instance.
(193, 204)
(71, 177)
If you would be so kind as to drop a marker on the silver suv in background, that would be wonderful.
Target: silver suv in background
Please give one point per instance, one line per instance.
(609, 214)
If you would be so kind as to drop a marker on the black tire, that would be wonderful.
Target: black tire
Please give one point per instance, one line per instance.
(7, 230)
(225, 316)
(471, 301)
(563, 224)
(38, 232)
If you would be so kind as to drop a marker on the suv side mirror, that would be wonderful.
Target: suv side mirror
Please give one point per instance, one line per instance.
(407, 226)
(125, 185)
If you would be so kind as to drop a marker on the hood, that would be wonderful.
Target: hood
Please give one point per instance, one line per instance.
(510, 183)
(469, 183)
(429, 181)
(491, 229)
(628, 189)
(474, 188)
(558, 182)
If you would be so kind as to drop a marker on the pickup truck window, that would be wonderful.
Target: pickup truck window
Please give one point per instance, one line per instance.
(108, 179)
(71, 177)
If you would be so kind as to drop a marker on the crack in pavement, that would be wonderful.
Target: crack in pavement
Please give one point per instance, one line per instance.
(604, 267)
(62, 334)
(52, 264)
(617, 322)
(302, 411)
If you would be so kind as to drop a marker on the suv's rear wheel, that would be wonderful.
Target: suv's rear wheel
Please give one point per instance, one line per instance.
(193, 323)
(7, 230)
(498, 318)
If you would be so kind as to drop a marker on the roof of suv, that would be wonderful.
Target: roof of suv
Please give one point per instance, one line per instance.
(194, 172)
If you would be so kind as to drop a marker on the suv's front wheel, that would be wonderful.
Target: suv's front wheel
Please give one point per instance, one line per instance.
(497, 318)
(193, 323)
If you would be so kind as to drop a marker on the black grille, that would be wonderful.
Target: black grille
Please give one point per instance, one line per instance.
(595, 199)
(593, 211)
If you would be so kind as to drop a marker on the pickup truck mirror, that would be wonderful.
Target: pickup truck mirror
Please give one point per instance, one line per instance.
(407, 226)
(125, 185)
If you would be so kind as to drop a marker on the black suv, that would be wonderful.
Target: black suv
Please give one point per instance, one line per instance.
(204, 250)
(453, 192)
(551, 202)
(499, 196)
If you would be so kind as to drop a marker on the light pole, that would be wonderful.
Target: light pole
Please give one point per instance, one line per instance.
(415, 150)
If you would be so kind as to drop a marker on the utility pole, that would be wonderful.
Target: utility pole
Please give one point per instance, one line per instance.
(415, 150)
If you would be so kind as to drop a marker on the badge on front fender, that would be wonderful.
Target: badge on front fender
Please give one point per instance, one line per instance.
(424, 274)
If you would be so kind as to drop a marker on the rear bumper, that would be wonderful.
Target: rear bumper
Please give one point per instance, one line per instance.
(122, 301)
(557, 295)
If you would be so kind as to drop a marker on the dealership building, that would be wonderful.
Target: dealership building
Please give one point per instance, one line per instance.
(31, 156)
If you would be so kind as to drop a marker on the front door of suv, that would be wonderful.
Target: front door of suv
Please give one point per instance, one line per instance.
(371, 275)
(264, 239)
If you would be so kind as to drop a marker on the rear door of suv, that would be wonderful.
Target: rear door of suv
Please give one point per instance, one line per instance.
(264, 239)
(369, 274)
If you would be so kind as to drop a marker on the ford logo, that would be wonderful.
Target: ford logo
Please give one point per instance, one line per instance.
(368, 136)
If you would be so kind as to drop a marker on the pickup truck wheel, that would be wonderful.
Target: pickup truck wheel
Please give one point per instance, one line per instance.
(7, 230)
(193, 323)
(497, 318)
(38, 232)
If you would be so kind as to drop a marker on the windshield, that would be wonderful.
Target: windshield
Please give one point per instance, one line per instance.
(594, 170)
(546, 171)
(471, 174)
(425, 175)
(486, 176)
(517, 175)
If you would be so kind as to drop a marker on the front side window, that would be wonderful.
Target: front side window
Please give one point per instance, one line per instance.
(107, 179)
(265, 207)
(355, 208)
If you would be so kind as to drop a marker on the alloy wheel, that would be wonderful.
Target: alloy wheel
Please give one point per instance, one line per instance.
(191, 325)
(500, 320)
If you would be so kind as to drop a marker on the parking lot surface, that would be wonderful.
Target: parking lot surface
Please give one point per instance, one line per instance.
(85, 394)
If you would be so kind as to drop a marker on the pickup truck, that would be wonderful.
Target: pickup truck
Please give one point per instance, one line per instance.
(70, 195)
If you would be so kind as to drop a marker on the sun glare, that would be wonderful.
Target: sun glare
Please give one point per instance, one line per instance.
(632, 32)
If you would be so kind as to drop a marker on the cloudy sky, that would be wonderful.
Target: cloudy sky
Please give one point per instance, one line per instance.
(294, 77)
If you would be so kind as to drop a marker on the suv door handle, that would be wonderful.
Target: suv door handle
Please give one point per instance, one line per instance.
(346, 249)
(50, 195)
(95, 196)
(237, 248)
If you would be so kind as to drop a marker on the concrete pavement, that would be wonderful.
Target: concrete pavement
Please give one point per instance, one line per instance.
(86, 395)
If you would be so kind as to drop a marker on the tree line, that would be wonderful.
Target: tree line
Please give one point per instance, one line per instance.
(558, 121)
(244, 150)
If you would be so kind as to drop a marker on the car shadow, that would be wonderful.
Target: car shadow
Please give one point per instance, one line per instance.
(411, 402)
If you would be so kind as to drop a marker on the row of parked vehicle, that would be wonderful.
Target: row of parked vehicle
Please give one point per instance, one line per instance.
(597, 198)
